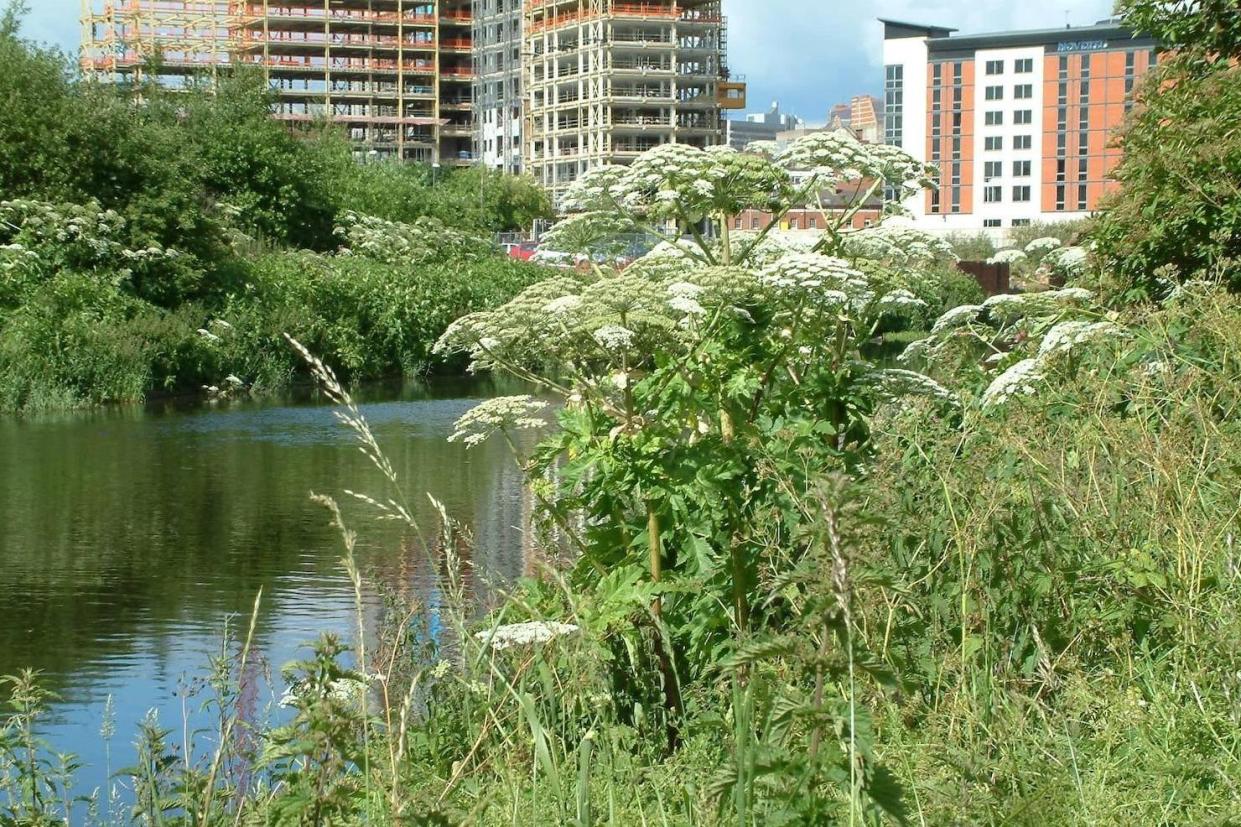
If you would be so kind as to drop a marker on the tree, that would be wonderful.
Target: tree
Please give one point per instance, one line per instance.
(1207, 30)
(1178, 214)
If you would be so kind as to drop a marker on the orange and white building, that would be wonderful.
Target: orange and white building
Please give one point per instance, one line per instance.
(1020, 124)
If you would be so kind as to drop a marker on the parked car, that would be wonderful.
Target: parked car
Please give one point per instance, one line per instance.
(552, 258)
(522, 251)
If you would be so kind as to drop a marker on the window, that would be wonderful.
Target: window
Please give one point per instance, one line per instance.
(992, 195)
(812, 223)
(1024, 66)
(1023, 142)
(995, 118)
(995, 67)
(1021, 169)
(995, 93)
(994, 143)
(1081, 197)
(991, 223)
(1021, 222)
(1024, 92)
(1023, 117)
(1021, 194)
(992, 169)
(894, 94)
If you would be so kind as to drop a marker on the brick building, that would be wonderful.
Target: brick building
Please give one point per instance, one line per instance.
(1020, 124)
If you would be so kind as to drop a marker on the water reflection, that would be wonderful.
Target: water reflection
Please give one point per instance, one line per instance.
(128, 536)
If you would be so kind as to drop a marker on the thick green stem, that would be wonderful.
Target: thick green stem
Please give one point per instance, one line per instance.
(656, 549)
(667, 667)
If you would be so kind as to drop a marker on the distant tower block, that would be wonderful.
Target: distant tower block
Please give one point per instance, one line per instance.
(398, 74)
(607, 80)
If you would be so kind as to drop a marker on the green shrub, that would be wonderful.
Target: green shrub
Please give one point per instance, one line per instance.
(1177, 216)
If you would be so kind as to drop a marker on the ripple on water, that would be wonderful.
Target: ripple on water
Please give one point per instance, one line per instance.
(130, 538)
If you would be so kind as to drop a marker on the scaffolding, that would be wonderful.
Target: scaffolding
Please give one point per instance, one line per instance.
(497, 83)
(396, 73)
(606, 80)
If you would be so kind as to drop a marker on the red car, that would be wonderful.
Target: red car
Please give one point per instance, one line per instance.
(522, 251)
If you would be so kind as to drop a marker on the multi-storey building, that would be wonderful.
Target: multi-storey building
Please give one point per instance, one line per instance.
(497, 83)
(1020, 124)
(608, 79)
(863, 116)
(398, 74)
(760, 126)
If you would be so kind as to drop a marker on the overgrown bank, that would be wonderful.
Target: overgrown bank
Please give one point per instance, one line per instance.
(785, 584)
(127, 228)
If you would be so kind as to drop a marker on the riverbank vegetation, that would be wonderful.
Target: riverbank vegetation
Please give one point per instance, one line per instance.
(780, 582)
(163, 246)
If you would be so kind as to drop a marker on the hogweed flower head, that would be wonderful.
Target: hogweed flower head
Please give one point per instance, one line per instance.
(1011, 256)
(500, 414)
(1021, 379)
(614, 338)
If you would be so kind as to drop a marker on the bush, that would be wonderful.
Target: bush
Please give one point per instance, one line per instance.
(1178, 214)
(972, 247)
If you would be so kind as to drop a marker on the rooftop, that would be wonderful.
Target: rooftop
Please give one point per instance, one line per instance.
(940, 38)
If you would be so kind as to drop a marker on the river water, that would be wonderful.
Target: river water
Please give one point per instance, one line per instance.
(129, 537)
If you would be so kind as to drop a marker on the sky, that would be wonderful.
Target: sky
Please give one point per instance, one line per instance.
(807, 54)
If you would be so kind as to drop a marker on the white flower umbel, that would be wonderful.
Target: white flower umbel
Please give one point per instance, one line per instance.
(817, 278)
(563, 305)
(897, 244)
(1007, 257)
(1042, 246)
(894, 383)
(686, 306)
(684, 290)
(494, 415)
(1068, 261)
(900, 300)
(1070, 295)
(957, 317)
(1019, 380)
(524, 634)
(1065, 336)
(614, 338)
(601, 188)
(916, 350)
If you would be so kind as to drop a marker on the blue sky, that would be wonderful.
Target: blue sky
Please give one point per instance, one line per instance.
(808, 54)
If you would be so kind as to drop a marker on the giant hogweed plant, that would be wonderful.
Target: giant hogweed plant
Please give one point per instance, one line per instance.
(706, 390)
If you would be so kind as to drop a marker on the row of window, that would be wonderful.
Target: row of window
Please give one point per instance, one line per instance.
(1022, 91)
(994, 195)
(992, 143)
(1021, 117)
(992, 223)
(995, 143)
(1021, 66)
(994, 169)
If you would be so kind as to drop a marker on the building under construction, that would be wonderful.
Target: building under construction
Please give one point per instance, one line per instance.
(398, 74)
(606, 80)
(498, 83)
